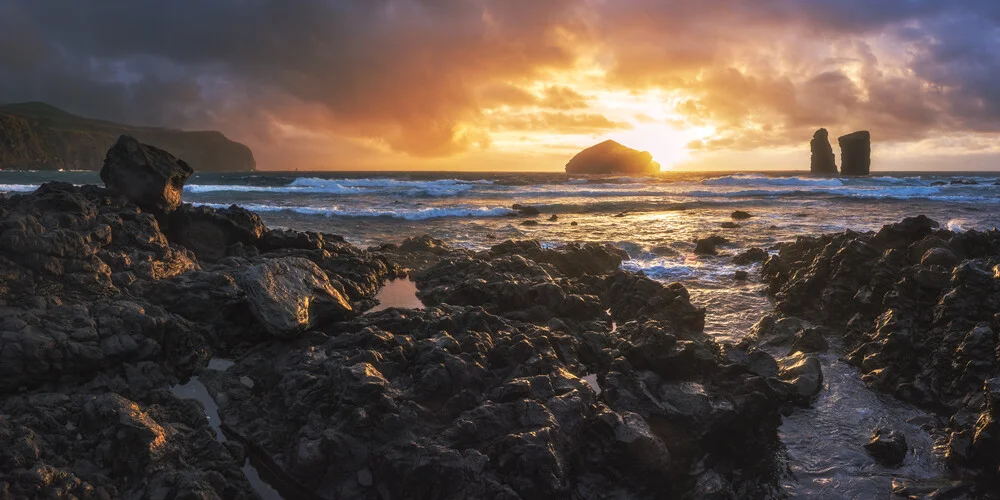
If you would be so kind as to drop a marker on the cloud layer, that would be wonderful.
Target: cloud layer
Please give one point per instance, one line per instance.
(435, 78)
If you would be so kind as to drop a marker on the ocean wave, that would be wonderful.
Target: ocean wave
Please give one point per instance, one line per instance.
(763, 180)
(17, 188)
(406, 214)
(306, 185)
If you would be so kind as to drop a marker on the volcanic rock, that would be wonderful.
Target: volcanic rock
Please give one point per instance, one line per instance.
(855, 153)
(526, 210)
(149, 177)
(741, 215)
(610, 157)
(210, 233)
(804, 372)
(707, 246)
(288, 295)
(887, 447)
(822, 161)
(923, 330)
(750, 256)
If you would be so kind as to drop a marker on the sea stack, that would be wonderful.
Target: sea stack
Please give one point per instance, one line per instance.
(610, 157)
(823, 161)
(855, 153)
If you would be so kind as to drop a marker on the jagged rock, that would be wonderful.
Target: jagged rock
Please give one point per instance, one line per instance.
(707, 246)
(210, 233)
(809, 340)
(288, 295)
(822, 161)
(149, 177)
(939, 257)
(922, 330)
(610, 157)
(855, 153)
(526, 210)
(750, 256)
(804, 372)
(425, 244)
(741, 215)
(887, 447)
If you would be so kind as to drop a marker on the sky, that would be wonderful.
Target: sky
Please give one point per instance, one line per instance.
(510, 85)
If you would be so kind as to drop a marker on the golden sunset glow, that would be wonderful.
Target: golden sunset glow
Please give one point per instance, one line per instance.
(523, 85)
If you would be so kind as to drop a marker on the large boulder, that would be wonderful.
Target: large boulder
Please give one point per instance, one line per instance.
(149, 177)
(288, 295)
(610, 157)
(855, 153)
(210, 232)
(822, 161)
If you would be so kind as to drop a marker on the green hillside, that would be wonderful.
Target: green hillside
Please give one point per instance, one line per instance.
(37, 136)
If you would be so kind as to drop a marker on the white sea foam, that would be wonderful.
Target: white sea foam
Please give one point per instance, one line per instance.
(763, 180)
(407, 214)
(17, 188)
(305, 185)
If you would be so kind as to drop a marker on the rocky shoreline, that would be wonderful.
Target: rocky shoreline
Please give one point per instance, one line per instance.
(531, 373)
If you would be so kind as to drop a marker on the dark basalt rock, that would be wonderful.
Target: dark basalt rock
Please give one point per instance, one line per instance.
(707, 246)
(922, 329)
(211, 233)
(750, 256)
(149, 177)
(887, 447)
(804, 372)
(610, 157)
(526, 210)
(479, 395)
(855, 153)
(741, 215)
(822, 160)
(290, 294)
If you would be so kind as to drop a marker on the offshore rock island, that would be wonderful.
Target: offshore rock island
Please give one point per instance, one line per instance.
(529, 372)
(37, 136)
(855, 154)
(610, 157)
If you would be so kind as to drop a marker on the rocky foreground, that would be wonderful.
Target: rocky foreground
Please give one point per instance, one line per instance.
(530, 373)
(918, 308)
(107, 301)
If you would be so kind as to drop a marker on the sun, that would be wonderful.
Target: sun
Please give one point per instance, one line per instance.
(667, 144)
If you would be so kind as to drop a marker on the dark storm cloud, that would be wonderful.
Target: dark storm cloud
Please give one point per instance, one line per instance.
(417, 74)
(401, 71)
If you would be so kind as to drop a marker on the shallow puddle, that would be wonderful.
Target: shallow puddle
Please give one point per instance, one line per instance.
(400, 293)
(194, 389)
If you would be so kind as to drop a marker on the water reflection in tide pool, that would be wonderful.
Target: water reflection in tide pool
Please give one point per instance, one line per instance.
(400, 293)
(196, 390)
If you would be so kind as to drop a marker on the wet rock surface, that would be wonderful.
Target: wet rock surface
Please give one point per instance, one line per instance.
(887, 446)
(479, 395)
(916, 307)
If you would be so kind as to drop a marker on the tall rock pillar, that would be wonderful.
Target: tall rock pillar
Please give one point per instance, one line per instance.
(822, 162)
(855, 153)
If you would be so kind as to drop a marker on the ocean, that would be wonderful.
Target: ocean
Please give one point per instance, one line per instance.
(655, 220)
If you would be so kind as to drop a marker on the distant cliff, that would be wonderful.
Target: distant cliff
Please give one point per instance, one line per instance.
(37, 136)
